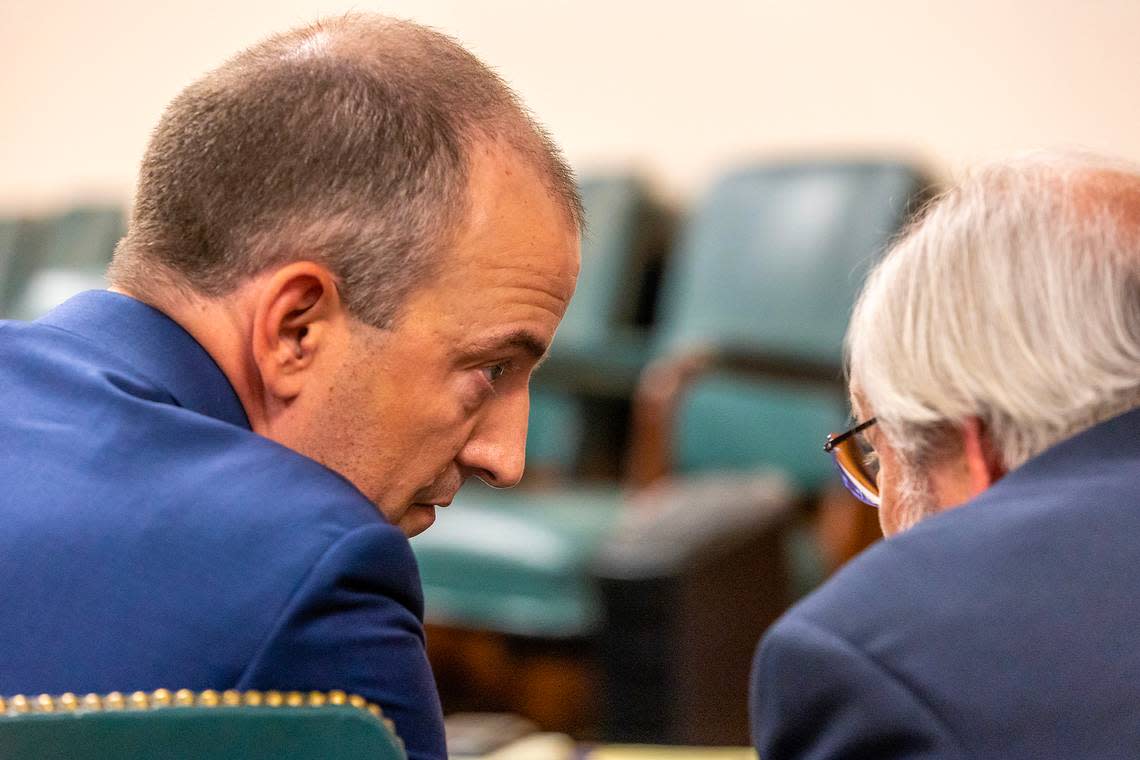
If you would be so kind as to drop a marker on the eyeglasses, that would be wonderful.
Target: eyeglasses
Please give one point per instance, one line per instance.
(857, 462)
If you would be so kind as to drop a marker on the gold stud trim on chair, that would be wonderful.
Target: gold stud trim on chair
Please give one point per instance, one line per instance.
(21, 704)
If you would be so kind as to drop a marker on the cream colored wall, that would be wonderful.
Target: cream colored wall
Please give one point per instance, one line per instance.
(680, 89)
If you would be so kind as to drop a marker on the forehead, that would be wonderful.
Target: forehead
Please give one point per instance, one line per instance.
(515, 232)
(513, 263)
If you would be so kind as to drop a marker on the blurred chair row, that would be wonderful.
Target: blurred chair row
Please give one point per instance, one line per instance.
(654, 590)
(43, 261)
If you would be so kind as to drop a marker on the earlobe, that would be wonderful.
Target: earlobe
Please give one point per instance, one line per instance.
(983, 461)
(297, 307)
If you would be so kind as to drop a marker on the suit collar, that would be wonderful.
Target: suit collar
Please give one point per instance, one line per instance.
(156, 346)
(1112, 445)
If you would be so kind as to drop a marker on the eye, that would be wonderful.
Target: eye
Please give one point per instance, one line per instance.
(494, 372)
(869, 456)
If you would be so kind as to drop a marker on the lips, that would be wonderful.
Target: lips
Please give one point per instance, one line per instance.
(417, 519)
(440, 491)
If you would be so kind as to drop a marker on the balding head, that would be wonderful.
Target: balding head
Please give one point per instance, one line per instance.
(347, 142)
(1015, 301)
(363, 228)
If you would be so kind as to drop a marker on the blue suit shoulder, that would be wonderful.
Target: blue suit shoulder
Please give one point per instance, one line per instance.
(995, 629)
(161, 543)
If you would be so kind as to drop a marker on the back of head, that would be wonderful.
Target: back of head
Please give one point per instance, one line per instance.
(1014, 299)
(346, 142)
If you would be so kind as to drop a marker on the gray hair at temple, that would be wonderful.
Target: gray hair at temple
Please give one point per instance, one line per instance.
(347, 142)
(1015, 299)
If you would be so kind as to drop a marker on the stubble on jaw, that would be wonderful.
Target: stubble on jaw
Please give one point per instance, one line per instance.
(914, 501)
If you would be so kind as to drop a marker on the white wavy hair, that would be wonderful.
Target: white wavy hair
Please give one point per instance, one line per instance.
(1015, 298)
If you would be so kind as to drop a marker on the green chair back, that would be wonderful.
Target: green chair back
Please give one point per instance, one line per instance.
(19, 254)
(734, 424)
(203, 726)
(70, 255)
(773, 256)
(770, 263)
(619, 216)
(82, 237)
(616, 251)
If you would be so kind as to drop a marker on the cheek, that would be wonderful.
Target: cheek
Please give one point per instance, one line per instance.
(434, 405)
(441, 418)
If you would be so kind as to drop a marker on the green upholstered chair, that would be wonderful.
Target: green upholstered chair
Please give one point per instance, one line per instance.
(184, 725)
(625, 234)
(754, 313)
(71, 254)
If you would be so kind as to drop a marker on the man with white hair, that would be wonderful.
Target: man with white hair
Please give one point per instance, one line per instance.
(994, 362)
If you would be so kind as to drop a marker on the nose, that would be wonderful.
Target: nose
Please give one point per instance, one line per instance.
(496, 451)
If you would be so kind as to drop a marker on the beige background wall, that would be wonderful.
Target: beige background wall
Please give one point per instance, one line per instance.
(680, 89)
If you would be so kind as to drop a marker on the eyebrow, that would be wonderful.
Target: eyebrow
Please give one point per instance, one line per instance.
(517, 340)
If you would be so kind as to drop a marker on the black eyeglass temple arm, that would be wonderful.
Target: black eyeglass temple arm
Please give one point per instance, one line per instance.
(832, 442)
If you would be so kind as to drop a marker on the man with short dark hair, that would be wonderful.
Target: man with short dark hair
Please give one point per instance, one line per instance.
(350, 247)
(994, 361)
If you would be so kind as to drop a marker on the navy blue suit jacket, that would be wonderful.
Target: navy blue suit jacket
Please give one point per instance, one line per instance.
(1006, 628)
(149, 539)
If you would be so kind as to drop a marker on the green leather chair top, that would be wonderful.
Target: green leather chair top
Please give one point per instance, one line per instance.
(82, 237)
(616, 252)
(617, 212)
(9, 242)
(61, 256)
(728, 423)
(773, 256)
(183, 725)
(770, 265)
(19, 241)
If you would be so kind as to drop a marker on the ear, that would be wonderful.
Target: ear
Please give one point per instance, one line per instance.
(983, 462)
(299, 320)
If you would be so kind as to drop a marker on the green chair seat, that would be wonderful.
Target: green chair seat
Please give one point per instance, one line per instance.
(516, 562)
(735, 424)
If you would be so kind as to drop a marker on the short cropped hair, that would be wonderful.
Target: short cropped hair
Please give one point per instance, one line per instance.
(1014, 299)
(347, 142)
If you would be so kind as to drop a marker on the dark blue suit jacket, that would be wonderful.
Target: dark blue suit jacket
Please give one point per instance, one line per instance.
(149, 539)
(1006, 628)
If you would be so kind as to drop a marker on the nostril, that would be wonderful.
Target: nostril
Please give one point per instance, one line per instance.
(495, 464)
